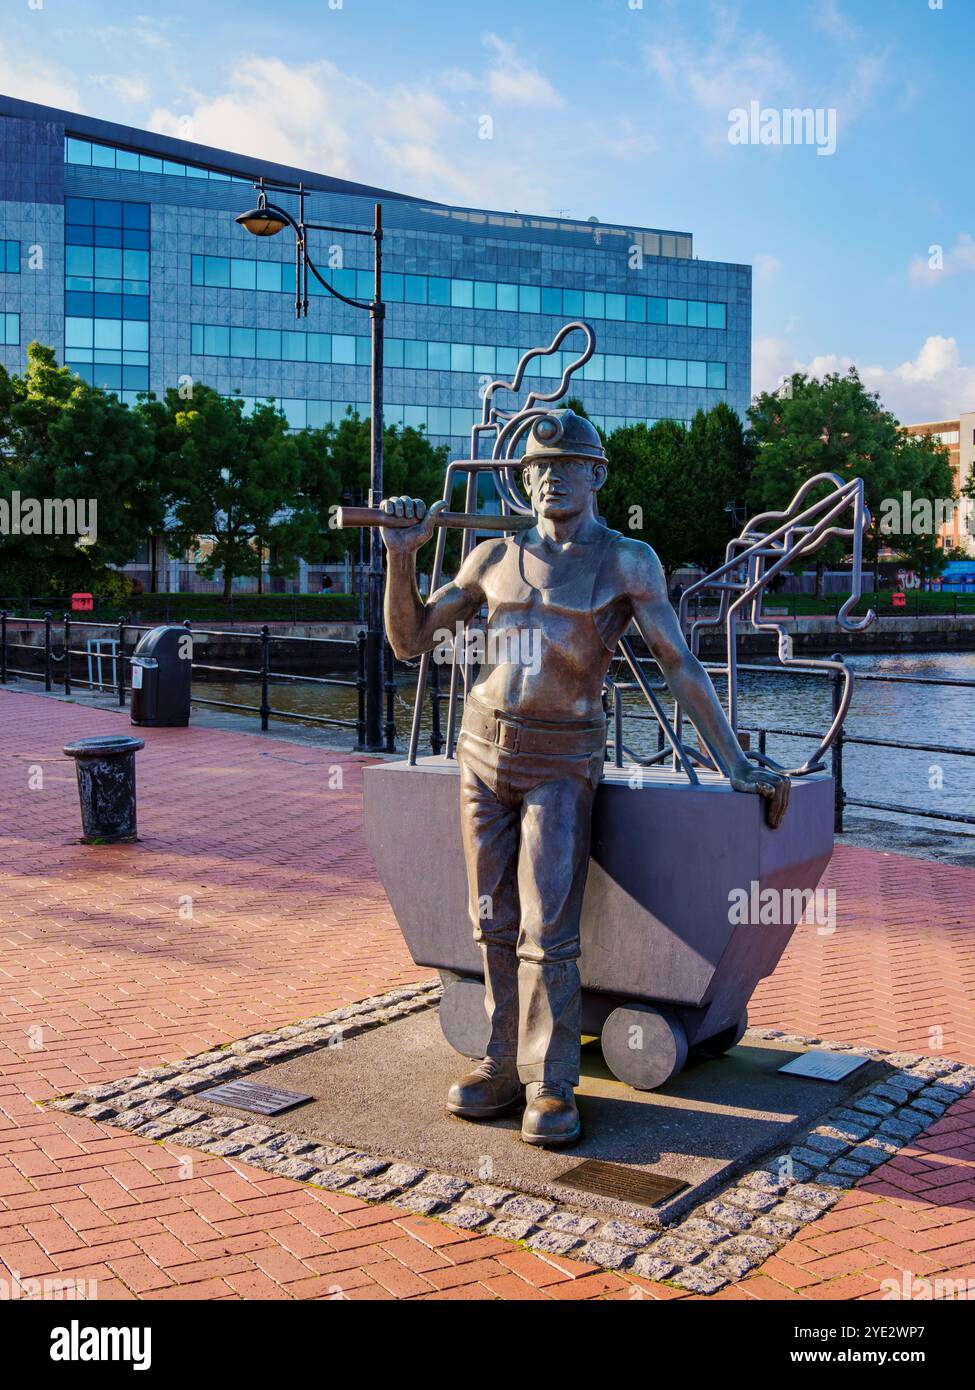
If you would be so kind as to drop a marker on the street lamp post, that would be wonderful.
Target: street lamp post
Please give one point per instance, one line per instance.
(267, 219)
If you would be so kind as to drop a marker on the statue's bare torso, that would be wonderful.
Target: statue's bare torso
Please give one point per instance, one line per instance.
(554, 617)
(564, 591)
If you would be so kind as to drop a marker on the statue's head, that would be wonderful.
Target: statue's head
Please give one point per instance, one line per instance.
(564, 465)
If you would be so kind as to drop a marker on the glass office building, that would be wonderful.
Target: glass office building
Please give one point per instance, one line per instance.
(119, 249)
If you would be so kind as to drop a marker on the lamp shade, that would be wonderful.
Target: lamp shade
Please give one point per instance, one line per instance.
(263, 220)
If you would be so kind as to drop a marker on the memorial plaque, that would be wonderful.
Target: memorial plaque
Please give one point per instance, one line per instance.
(824, 1066)
(251, 1095)
(624, 1184)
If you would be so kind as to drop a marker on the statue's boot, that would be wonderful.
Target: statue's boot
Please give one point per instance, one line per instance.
(551, 1119)
(491, 1089)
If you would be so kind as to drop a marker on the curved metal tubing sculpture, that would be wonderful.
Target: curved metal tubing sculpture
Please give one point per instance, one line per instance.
(754, 558)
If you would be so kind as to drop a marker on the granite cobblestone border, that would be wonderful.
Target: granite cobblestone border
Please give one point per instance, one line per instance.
(718, 1242)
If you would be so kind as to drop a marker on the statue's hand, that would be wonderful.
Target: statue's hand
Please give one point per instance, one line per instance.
(402, 540)
(774, 786)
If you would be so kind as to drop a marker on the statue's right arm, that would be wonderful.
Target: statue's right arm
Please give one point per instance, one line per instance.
(413, 626)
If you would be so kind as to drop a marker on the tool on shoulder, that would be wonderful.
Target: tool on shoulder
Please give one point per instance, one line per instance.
(458, 521)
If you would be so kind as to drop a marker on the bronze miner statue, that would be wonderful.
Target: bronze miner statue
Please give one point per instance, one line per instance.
(532, 748)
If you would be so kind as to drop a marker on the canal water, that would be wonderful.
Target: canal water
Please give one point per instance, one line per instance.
(901, 713)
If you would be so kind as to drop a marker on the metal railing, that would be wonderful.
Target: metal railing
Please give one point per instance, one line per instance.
(262, 672)
(167, 608)
(842, 798)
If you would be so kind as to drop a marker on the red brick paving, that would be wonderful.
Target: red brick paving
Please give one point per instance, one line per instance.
(250, 902)
(899, 970)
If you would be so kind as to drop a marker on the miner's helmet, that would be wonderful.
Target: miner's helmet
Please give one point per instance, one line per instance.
(563, 434)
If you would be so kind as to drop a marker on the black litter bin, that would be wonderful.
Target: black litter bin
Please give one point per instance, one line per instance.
(161, 678)
(106, 786)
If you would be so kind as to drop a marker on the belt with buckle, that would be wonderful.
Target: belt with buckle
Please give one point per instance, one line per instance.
(516, 735)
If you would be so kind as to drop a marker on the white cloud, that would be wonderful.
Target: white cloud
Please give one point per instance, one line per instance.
(939, 265)
(934, 385)
(127, 89)
(772, 360)
(149, 31)
(314, 116)
(513, 82)
(624, 139)
(826, 15)
(765, 271)
(853, 99)
(718, 78)
(28, 79)
(408, 137)
(734, 68)
(458, 80)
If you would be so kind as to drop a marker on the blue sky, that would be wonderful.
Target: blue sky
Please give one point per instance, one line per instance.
(609, 107)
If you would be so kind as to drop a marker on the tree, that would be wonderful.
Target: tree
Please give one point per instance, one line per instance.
(927, 479)
(646, 492)
(232, 478)
(412, 467)
(80, 450)
(719, 459)
(833, 425)
(672, 486)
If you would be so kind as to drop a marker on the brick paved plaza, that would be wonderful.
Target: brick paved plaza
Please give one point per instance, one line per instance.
(250, 903)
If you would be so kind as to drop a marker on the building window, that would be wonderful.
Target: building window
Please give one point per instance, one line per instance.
(439, 420)
(216, 340)
(222, 272)
(106, 294)
(11, 329)
(96, 156)
(10, 257)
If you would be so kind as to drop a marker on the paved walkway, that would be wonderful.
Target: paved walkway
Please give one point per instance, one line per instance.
(251, 902)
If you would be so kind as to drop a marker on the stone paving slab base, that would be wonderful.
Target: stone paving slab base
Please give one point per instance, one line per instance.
(718, 1242)
(384, 1091)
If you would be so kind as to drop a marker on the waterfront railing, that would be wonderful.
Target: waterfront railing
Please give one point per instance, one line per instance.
(53, 665)
(760, 733)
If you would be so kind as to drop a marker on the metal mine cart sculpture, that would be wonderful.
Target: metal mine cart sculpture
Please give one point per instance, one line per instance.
(525, 790)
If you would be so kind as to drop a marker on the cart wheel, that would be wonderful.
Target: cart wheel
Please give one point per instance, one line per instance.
(644, 1047)
(725, 1040)
(463, 1017)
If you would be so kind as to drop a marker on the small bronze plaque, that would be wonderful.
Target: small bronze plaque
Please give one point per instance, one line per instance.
(251, 1095)
(623, 1184)
(824, 1066)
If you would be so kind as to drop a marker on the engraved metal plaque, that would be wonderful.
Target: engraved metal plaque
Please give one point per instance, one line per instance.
(623, 1184)
(251, 1095)
(824, 1066)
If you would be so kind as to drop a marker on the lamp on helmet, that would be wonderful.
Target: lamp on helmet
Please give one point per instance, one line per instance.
(563, 434)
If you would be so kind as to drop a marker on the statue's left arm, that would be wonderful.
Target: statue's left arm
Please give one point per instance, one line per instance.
(687, 679)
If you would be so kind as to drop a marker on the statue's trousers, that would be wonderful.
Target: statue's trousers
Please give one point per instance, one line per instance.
(527, 789)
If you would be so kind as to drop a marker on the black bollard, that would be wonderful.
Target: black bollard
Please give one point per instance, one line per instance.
(106, 786)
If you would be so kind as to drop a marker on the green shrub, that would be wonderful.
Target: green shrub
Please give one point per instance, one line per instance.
(243, 608)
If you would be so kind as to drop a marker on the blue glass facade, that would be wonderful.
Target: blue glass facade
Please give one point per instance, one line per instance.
(119, 248)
